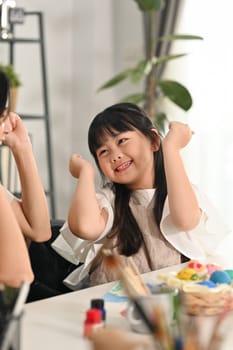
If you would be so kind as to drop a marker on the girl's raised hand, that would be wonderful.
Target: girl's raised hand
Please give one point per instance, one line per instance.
(179, 135)
(15, 133)
(78, 165)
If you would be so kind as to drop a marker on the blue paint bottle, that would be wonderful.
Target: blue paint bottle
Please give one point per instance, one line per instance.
(99, 304)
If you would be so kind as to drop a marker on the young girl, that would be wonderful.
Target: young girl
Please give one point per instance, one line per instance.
(31, 210)
(14, 259)
(147, 210)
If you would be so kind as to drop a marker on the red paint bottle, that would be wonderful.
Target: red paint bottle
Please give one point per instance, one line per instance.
(93, 322)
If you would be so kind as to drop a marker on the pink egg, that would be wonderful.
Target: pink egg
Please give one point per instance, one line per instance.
(212, 268)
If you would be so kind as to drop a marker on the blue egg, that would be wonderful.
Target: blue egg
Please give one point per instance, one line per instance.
(220, 276)
(209, 284)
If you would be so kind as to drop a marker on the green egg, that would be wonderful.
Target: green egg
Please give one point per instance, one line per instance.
(230, 273)
(194, 277)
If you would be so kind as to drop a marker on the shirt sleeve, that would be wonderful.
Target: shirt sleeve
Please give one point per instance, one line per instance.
(204, 241)
(77, 250)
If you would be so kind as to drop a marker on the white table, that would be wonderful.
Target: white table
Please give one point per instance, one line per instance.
(57, 323)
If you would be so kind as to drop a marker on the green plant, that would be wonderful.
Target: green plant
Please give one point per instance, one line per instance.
(13, 77)
(145, 71)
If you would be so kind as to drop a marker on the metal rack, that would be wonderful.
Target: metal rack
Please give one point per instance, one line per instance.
(12, 41)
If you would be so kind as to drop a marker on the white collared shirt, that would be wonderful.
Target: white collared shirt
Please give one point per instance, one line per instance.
(209, 241)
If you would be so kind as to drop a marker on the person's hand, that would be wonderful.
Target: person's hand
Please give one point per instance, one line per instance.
(78, 164)
(114, 339)
(15, 133)
(178, 136)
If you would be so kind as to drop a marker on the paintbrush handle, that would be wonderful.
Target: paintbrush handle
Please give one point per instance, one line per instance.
(144, 316)
(135, 270)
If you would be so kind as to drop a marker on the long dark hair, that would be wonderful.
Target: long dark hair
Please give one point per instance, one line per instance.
(123, 117)
(4, 90)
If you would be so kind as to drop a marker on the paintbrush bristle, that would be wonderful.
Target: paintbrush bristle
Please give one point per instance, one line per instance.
(131, 282)
(111, 261)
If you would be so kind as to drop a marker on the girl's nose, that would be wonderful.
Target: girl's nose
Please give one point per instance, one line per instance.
(116, 158)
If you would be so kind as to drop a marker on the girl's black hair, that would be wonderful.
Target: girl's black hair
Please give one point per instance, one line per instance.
(119, 118)
(4, 89)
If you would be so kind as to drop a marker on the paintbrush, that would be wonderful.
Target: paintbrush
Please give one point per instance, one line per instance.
(137, 273)
(191, 338)
(133, 288)
(133, 284)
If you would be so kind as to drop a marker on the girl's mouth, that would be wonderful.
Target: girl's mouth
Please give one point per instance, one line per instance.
(122, 167)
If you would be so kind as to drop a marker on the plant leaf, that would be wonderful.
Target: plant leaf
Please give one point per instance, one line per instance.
(12, 76)
(160, 120)
(179, 37)
(140, 71)
(150, 5)
(176, 92)
(166, 58)
(134, 98)
(115, 80)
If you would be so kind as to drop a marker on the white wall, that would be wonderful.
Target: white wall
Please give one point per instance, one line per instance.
(86, 42)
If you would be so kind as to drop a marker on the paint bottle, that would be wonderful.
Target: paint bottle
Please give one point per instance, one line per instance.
(93, 322)
(99, 304)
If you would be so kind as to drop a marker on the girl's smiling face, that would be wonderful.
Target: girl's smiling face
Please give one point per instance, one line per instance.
(128, 158)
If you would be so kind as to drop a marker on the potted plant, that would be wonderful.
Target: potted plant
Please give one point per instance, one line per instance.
(145, 71)
(14, 83)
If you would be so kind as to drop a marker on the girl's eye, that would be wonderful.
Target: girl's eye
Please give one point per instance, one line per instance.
(102, 152)
(122, 140)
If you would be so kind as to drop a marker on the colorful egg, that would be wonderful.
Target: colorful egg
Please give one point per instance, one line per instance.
(230, 273)
(197, 266)
(213, 267)
(200, 268)
(187, 274)
(219, 277)
(209, 284)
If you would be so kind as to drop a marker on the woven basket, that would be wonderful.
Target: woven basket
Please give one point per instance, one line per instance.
(207, 303)
(199, 299)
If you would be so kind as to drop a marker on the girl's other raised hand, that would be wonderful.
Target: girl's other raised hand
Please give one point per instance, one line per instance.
(15, 133)
(178, 136)
(79, 165)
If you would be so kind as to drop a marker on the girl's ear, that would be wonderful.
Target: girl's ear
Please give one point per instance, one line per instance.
(155, 144)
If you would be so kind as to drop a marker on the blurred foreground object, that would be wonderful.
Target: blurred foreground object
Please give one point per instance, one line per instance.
(114, 339)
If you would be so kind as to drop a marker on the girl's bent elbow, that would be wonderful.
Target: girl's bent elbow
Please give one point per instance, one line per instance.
(30, 277)
(187, 222)
(16, 279)
(86, 230)
(27, 277)
(188, 225)
(42, 235)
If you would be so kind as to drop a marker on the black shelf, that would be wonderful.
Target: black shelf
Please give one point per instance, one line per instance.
(31, 116)
(19, 40)
(45, 117)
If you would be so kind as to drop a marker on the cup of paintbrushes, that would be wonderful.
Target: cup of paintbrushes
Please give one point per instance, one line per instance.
(162, 300)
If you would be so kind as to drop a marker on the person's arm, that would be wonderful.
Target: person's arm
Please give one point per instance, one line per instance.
(31, 211)
(14, 260)
(85, 218)
(183, 204)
